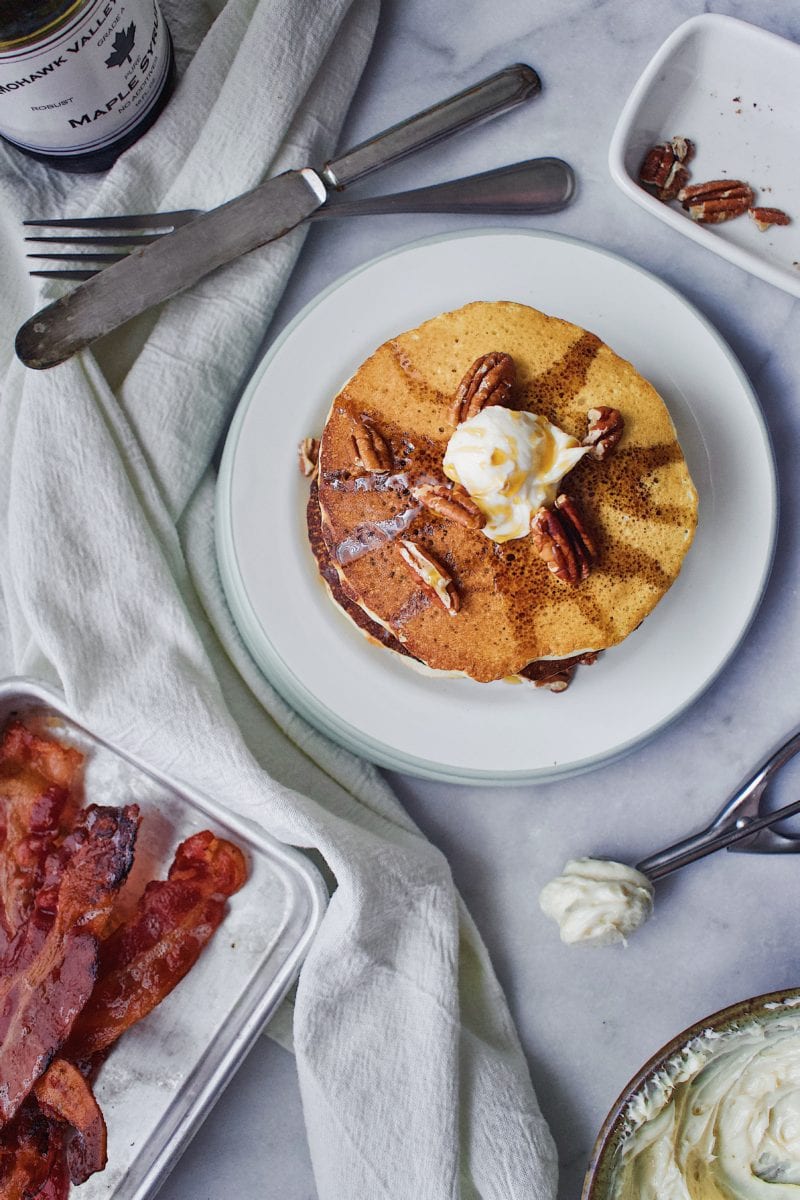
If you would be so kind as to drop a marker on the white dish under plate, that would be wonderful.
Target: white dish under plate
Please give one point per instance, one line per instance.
(734, 89)
(455, 729)
(165, 1073)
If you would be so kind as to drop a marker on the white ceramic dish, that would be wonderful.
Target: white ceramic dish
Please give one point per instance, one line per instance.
(734, 89)
(456, 729)
(165, 1073)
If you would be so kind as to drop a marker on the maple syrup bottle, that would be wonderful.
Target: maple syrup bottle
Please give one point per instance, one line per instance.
(81, 80)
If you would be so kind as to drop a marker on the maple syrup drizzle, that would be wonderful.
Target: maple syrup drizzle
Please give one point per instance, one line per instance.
(346, 481)
(373, 534)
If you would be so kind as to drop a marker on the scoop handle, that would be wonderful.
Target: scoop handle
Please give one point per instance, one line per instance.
(740, 819)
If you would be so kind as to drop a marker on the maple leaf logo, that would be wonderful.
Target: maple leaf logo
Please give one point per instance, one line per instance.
(122, 46)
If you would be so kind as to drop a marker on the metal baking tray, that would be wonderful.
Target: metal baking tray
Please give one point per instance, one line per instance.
(163, 1076)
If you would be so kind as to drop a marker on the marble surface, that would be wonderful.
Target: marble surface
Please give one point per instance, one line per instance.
(724, 929)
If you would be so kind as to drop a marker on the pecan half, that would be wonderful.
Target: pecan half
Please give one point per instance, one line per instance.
(453, 503)
(764, 217)
(308, 457)
(663, 171)
(490, 380)
(684, 148)
(604, 432)
(556, 673)
(715, 201)
(370, 448)
(563, 542)
(559, 682)
(430, 575)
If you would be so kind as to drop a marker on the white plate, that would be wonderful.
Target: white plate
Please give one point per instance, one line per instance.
(456, 729)
(734, 89)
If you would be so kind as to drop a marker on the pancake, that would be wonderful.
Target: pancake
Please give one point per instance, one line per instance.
(552, 673)
(638, 505)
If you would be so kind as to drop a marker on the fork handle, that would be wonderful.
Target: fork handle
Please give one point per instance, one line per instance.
(492, 96)
(536, 186)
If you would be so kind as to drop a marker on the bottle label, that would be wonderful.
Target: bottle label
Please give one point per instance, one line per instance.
(89, 83)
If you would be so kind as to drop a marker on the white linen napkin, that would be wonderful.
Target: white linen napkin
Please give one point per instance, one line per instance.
(412, 1078)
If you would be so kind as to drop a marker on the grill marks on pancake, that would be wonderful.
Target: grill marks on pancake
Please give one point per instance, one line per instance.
(551, 392)
(642, 464)
(416, 379)
(535, 596)
(595, 614)
(635, 563)
(625, 486)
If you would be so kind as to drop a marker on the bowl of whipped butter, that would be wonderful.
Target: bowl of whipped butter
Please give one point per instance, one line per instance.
(713, 1116)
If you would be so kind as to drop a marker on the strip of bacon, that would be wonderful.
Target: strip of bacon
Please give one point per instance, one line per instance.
(50, 968)
(65, 1095)
(31, 1158)
(56, 1186)
(143, 960)
(38, 803)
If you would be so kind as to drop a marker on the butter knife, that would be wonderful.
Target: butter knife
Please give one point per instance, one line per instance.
(157, 271)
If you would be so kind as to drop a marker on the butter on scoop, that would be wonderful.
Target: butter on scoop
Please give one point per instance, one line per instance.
(597, 902)
(511, 463)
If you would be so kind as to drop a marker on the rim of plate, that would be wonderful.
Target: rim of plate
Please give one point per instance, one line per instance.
(301, 698)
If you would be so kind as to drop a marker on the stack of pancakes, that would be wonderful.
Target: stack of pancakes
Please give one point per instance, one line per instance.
(515, 617)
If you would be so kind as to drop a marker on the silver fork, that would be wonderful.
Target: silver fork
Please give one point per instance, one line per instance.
(538, 185)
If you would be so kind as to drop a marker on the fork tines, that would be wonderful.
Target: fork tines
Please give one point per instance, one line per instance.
(134, 229)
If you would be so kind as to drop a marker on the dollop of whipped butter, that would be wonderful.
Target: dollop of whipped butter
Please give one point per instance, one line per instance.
(721, 1121)
(511, 463)
(597, 902)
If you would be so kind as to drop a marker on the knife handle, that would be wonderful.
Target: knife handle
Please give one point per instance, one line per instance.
(494, 95)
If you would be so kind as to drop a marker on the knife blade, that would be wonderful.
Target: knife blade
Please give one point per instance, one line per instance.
(156, 272)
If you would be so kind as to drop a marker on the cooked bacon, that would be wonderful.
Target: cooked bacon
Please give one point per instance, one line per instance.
(31, 1158)
(39, 1153)
(37, 806)
(50, 759)
(56, 1186)
(143, 960)
(70, 982)
(65, 1095)
(49, 969)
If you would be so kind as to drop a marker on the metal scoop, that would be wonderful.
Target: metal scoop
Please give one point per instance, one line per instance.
(740, 824)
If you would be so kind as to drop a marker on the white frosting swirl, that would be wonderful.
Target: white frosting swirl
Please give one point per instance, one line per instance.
(596, 902)
(511, 463)
(722, 1121)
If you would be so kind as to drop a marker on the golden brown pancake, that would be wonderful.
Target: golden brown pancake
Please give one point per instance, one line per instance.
(639, 505)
